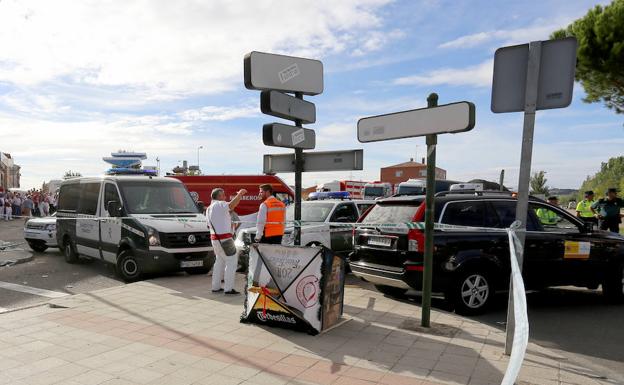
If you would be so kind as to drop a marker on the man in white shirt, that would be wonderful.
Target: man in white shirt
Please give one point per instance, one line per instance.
(220, 224)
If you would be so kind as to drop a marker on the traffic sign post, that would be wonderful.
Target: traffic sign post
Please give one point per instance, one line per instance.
(275, 76)
(530, 77)
(428, 122)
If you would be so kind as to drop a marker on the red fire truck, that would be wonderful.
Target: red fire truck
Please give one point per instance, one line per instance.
(353, 187)
(200, 187)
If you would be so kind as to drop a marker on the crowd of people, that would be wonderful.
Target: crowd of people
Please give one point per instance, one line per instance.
(36, 203)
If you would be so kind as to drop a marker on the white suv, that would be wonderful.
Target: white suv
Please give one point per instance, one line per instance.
(320, 226)
(40, 233)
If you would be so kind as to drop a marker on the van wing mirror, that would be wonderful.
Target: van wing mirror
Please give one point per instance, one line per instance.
(113, 208)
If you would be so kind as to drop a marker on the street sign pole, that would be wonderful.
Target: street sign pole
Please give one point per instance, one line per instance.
(298, 171)
(432, 141)
(530, 104)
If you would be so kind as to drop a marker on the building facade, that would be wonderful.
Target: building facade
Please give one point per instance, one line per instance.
(9, 172)
(408, 170)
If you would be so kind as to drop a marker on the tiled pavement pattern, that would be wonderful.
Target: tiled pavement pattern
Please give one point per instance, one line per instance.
(174, 331)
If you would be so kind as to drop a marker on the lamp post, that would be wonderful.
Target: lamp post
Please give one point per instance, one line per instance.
(198, 148)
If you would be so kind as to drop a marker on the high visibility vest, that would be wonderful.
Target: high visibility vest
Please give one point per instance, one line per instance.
(276, 212)
(547, 217)
(584, 208)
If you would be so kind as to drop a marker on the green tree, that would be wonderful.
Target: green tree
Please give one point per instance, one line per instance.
(538, 183)
(611, 174)
(600, 54)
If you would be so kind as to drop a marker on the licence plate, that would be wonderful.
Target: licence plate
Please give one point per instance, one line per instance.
(380, 241)
(191, 263)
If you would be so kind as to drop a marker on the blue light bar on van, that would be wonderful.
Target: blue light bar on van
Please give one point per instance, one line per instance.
(130, 171)
(329, 195)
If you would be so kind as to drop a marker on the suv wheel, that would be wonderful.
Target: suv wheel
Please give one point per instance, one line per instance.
(128, 267)
(613, 286)
(39, 247)
(471, 292)
(391, 291)
(69, 252)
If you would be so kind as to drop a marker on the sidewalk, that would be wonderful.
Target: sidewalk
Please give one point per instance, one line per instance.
(13, 250)
(174, 331)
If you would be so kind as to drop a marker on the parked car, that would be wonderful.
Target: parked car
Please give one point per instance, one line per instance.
(40, 233)
(471, 264)
(141, 224)
(323, 231)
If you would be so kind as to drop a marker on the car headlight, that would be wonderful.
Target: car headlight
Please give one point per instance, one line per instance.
(152, 237)
(51, 227)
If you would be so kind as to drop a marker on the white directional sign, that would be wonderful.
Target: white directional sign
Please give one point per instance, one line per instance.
(266, 71)
(556, 76)
(284, 106)
(448, 118)
(316, 161)
(282, 135)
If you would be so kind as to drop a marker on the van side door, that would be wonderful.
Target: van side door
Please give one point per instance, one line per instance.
(87, 223)
(110, 227)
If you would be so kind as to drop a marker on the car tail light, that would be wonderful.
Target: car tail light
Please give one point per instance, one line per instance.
(415, 240)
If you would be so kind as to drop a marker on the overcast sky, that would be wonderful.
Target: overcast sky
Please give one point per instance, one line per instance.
(79, 80)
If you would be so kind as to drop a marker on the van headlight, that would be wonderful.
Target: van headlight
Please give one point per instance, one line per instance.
(152, 237)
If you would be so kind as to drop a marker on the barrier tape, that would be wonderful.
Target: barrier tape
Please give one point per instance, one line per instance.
(521, 331)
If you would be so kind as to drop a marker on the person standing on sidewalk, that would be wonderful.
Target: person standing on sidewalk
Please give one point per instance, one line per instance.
(28, 206)
(220, 224)
(271, 217)
(8, 208)
(584, 209)
(608, 211)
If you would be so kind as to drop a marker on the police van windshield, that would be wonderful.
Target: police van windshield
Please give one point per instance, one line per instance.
(311, 211)
(156, 198)
(374, 191)
(411, 190)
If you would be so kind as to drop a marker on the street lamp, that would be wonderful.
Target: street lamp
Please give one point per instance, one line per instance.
(198, 148)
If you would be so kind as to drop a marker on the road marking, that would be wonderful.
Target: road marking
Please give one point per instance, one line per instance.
(32, 290)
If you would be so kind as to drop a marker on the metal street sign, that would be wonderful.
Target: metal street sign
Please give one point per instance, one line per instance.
(556, 76)
(284, 106)
(282, 135)
(447, 118)
(265, 71)
(346, 160)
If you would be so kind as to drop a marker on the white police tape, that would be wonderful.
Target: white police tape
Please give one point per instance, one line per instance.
(521, 330)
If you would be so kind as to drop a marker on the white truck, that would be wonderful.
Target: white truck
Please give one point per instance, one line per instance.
(376, 190)
(353, 187)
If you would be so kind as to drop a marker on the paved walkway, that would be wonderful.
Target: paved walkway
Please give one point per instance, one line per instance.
(174, 331)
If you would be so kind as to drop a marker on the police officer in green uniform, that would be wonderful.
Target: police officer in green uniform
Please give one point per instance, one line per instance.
(584, 209)
(546, 216)
(608, 211)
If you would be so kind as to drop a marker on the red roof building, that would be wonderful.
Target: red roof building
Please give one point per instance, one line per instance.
(408, 170)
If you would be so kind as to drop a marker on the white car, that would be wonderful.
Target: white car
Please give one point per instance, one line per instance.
(40, 233)
(321, 226)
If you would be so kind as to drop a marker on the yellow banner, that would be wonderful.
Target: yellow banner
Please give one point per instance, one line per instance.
(576, 250)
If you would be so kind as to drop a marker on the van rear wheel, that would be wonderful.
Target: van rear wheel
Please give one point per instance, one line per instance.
(69, 251)
(128, 266)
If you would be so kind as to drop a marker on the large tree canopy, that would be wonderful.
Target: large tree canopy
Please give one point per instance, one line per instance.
(611, 174)
(600, 56)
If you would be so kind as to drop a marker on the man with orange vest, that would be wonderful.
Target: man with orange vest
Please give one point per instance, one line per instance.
(271, 217)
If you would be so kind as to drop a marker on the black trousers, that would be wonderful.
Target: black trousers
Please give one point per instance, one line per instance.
(275, 240)
(610, 224)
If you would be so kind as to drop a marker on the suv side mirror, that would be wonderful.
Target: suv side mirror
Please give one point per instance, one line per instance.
(113, 208)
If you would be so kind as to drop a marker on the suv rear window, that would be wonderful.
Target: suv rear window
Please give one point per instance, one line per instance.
(468, 213)
(391, 213)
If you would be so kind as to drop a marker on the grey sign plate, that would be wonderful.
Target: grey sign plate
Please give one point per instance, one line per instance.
(284, 106)
(265, 71)
(556, 79)
(282, 135)
(447, 118)
(346, 160)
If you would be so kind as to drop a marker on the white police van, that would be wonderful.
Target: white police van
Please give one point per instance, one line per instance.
(142, 224)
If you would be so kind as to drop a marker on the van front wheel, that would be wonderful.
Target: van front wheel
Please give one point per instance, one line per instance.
(128, 267)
